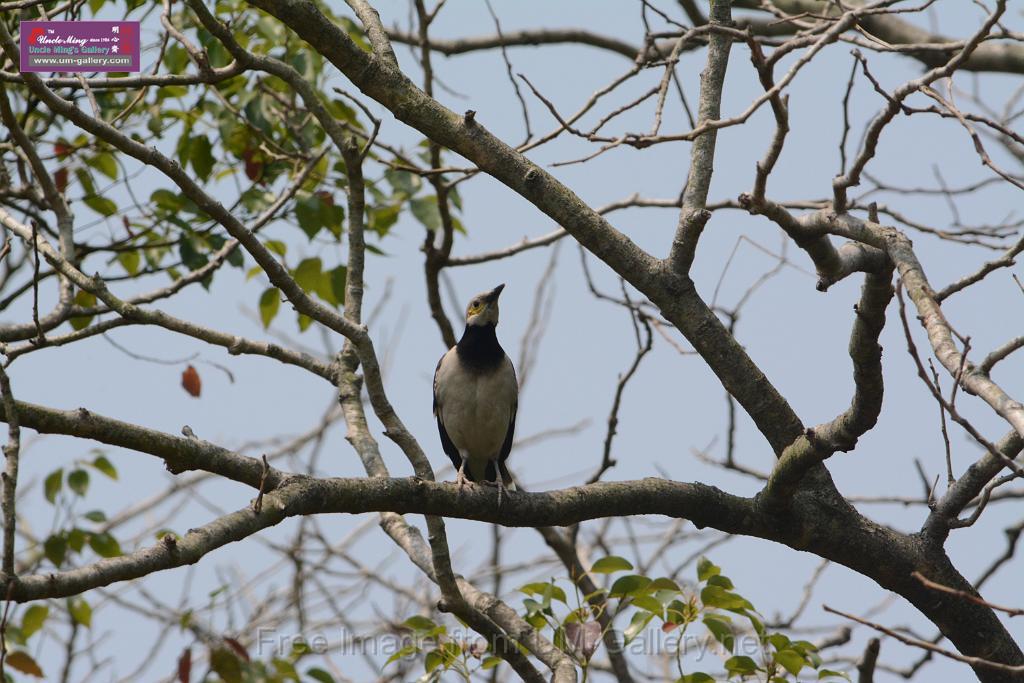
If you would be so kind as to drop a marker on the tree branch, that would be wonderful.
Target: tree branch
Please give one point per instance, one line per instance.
(694, 215)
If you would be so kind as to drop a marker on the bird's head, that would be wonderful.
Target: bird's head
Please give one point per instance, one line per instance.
(483, 308)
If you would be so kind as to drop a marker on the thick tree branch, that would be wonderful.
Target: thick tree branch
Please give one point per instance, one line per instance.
(694, 215)
(842, 433)
(970, 485)
(12, 451)
(180, 454)
(930, 49)
(518, 38)
(811, 232)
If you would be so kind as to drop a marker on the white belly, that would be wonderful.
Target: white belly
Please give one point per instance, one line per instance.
(476, 410)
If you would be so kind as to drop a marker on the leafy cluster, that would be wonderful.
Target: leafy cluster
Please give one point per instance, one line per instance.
(246, 140)
(688, 622)
(72, 532)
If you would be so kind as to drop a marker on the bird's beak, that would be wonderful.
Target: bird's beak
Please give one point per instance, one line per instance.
(492, 296)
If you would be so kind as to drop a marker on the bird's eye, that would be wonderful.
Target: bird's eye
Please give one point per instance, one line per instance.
(476, 303)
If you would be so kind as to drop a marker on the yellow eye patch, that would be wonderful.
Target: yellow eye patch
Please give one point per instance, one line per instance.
(475, 308)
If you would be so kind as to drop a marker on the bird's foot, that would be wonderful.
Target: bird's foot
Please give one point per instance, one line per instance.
(461, 480)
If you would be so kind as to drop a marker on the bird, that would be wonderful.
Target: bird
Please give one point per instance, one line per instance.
(476, 397)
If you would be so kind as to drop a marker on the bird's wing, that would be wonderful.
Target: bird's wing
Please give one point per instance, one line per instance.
(446, 442)
(506, 447)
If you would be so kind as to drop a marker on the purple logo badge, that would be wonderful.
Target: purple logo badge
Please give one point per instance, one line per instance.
(80, 46)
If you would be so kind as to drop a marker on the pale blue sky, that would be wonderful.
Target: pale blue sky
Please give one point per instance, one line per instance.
(796, 334)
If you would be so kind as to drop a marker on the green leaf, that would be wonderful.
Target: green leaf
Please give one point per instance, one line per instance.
(679, 612)
(200, 153)
(721, 630)
(433, 660)
(536, 620)
(404, 652)
(455, 197)
(716, 596)
(78, 481)
(829, 673)
(631, 584)
(190, 256)
(276, 246)
(130, 261)
(176, 59)
(270, 303)
(332, 216)
(307, 273)
(318, 674)
(706, 569)
(338, 277)
(382, 218)
(55, 548)
(665, 584)
(792, 661)
(740, 665)
(105, 466)
(77, 538)
(33, 619)
(81, 612)
(53, 483)
(226, 664)
(307, 212)
(636, 626)
(720, 580)
(490, 663)
(85, 179)
(426, 212)
(95, 516)
(610, 565)
(85, 300)
(165, 199)
(419, 623)
(105, 164)
(697, 677)
(546, 589)
(649, 603)
(101, 205)
(105, 545)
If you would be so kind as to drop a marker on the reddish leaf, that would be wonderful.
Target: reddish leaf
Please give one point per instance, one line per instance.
(127, 226)
(185, 666)
(326, 197)
(253, 166)
(24, 663)
(237, 647)
(584, 639)
(191, 382)
(62, 150)
(60, 179)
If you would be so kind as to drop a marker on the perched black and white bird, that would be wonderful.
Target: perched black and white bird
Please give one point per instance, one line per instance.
(476, 396)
